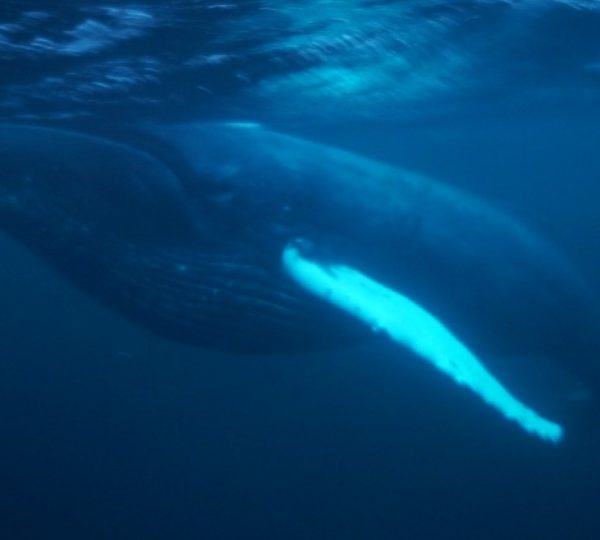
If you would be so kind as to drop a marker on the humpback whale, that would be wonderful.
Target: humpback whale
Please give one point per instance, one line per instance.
(235, 237)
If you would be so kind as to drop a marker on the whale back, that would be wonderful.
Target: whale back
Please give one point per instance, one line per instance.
(196, 255)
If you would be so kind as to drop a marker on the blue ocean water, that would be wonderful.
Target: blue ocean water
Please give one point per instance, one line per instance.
(112, 432)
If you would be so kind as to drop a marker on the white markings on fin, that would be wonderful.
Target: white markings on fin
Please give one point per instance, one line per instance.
(412, 326)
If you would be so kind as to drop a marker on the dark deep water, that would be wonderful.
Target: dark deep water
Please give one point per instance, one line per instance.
(110, 432)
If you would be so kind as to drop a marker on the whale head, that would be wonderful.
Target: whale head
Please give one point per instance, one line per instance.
(54, 178)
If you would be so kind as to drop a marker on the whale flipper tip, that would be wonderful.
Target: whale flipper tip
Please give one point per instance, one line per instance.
(412, 326)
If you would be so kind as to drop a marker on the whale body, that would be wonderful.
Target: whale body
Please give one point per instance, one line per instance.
(182, 229)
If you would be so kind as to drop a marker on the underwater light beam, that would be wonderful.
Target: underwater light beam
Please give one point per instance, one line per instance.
(412, 326)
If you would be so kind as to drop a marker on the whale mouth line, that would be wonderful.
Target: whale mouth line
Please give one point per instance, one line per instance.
(410, 325)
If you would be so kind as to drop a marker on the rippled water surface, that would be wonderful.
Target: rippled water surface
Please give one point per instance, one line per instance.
(110, 432)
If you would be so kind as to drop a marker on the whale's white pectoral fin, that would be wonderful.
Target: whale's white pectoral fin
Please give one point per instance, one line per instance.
(412, 326)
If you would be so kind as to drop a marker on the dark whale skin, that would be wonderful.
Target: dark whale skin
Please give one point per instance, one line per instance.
(119, 225)
(189, 243)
